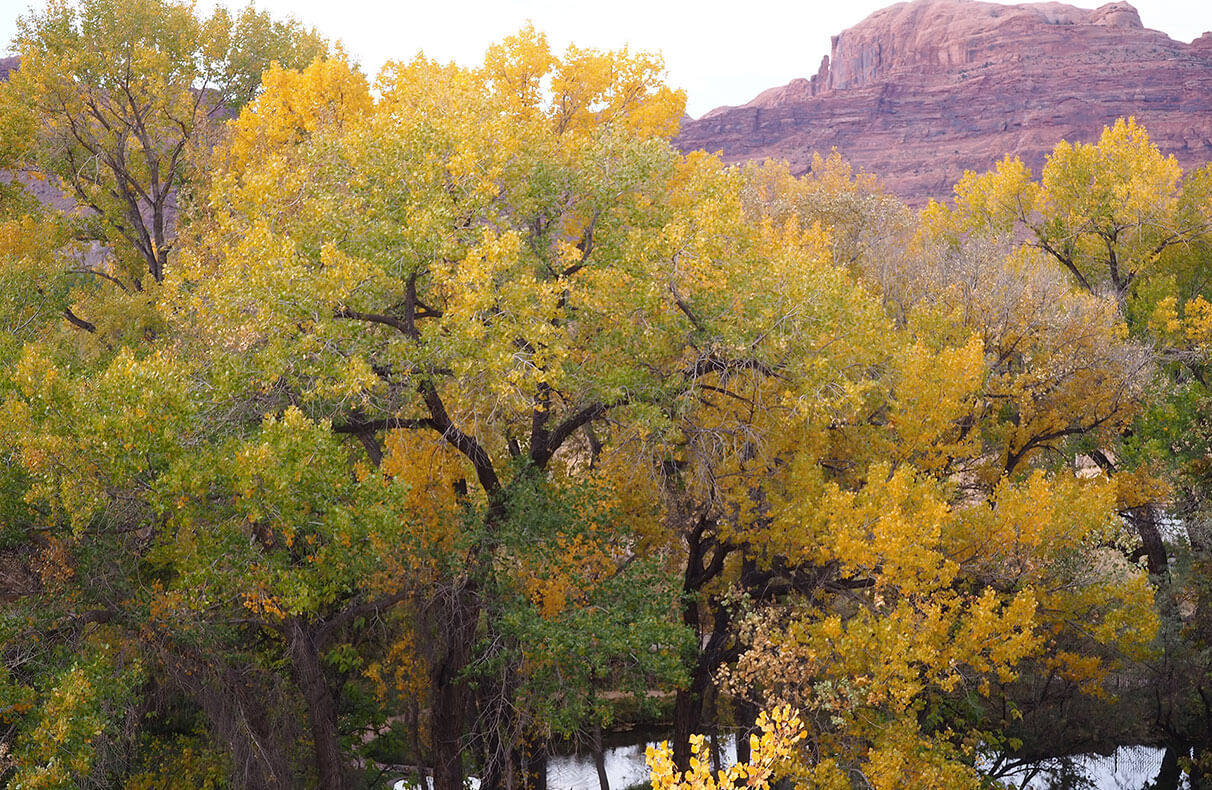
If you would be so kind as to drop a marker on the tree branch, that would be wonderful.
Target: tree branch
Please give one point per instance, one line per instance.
(1064, 260)
(76, 320)
(552, 442)
(330, 627)
(102, 275)
(377, 318)
(467, 445)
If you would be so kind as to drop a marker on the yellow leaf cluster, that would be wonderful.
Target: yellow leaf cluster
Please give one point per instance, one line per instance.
(770, 752)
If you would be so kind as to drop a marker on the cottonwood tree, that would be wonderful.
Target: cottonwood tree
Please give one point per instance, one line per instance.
(1117, 219)
(428, 270)
(1124, 224)
(107, 107)
(997, 363)
(573, 300)
(111, 101)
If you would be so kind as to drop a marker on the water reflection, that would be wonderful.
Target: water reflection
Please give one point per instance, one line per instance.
(625, 767)
(1130, 768)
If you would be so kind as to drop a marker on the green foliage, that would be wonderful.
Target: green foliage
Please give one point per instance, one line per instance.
(467, 404)
(582, 614)
(66, 743)
(111, 98)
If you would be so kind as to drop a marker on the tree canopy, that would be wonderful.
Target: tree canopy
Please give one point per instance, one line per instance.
(430, 423)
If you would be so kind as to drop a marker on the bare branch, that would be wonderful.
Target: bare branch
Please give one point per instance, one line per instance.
(76, 320)
(102, 275)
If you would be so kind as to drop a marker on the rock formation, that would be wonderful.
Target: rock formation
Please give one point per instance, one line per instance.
(8, 64)
(921, 91)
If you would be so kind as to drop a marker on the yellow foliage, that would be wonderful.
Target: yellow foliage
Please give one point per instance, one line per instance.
(902, 760)
(934, 392)
(992, 201)
(770, 755)
(556, 587)
(588, 90)
(1140, 487)
(294, 105)
(469, 262)
(402, 673)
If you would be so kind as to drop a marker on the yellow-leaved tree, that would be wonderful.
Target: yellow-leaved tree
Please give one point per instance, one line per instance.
(464, 399)
(916, 545)
(1121, 222)
(440, 276)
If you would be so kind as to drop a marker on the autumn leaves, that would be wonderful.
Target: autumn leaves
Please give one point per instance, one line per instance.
(462, 401)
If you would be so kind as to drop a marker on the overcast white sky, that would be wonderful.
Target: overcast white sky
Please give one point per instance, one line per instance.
(719, 52)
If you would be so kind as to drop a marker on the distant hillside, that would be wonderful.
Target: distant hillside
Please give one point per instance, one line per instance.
(920, 91)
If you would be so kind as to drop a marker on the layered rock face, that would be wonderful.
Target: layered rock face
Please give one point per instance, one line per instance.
(919, 92)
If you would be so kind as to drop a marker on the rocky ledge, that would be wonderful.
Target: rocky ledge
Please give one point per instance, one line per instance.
(919, 92)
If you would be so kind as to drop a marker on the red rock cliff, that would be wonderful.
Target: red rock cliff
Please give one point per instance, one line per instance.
(921, 91)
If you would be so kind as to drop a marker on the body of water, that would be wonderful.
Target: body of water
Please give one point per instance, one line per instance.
(1130, 768)
(625, 767)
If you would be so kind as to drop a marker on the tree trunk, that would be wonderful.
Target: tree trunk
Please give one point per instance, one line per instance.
(688, 706)
(449, 706)
(451, 693)
(687, 718)
(746, 714)
(1144, 518)
(1199, 778)
(533, 768)
(1171, 772)
(599, 757)
(414, 724)
(705, 555)
(690, 703)
(321, 708)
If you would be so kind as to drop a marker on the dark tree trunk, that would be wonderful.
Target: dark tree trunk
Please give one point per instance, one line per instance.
(689, 704)
(414, 724)
(1200, 779)
(746, 714)
(1171, 771)
(1144, 518)
(687, 718)
(535, 763)
(321, 707)
(531, 758)
(705, 555)
(447, 726)
(599, 757)
(452, 696)
(451, 692)
(520, 768)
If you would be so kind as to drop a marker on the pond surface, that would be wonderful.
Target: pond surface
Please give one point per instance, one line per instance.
(625, 767)
(1130, 768)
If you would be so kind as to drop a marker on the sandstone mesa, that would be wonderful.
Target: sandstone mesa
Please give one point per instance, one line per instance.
(921, 91)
